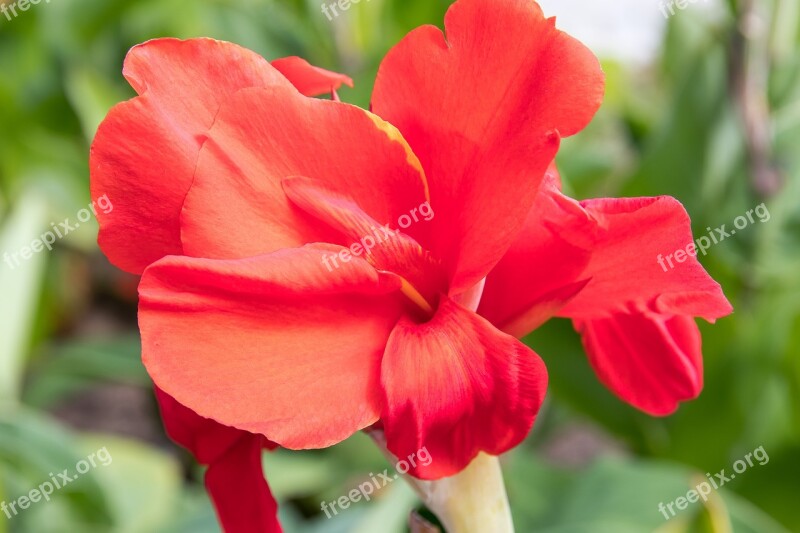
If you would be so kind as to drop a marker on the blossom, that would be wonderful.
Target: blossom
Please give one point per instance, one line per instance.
(231, 186)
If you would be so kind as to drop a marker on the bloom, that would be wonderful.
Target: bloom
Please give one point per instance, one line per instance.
(230, 193)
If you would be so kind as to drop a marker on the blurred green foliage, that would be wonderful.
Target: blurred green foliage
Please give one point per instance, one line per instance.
(67, 319)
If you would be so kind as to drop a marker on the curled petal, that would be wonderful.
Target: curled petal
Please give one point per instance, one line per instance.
(385, 247)
(235, 478)
(543, 269)
(625, 272)
(308, 79)
(651, 361)
(457, 386)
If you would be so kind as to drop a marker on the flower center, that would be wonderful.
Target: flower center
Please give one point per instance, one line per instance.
(414, 295)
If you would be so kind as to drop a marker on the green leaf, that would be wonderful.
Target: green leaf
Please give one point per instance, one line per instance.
(34, 449)
(91, 96)
(621, 496)
(20, 284)
(64, 369)
(141, 483)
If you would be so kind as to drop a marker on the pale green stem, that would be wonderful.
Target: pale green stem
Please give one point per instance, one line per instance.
(472, 501)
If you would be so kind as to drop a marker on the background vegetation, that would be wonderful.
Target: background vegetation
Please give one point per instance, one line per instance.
(714, 121)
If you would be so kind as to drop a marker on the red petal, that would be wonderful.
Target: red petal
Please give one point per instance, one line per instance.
(240, 493)
(650, 361)
(145, 151)
(457, 386)
(384, 247)
(626, 275)
(263, 344)
(542, 269)
(484, 111)
(206, 439)
(237, 208)
(308, 79)
(235, 478)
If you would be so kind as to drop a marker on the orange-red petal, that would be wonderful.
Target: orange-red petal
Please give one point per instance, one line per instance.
(484, 108)
(144, 153)
(263, 344)
(308, 79)
(457, 386)
(235, 478)
(624, 269)
(544, 267)
(237, 207)
(651, 361)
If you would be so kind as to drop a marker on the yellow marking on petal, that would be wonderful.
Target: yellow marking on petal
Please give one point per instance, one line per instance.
(395, 135)
(414, 295)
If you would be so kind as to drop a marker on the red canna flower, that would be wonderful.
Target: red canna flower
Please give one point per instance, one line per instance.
(233, 191)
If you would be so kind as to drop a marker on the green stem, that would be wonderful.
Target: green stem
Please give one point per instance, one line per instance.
(472, 501)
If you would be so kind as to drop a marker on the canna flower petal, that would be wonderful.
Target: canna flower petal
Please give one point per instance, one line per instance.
(234, 479)
(384, 247)
(635, 319)
(308, 79)
(237, 207)
(651, 361)
(237, 486)
(457, 386)
(263, 344)
(543, 268)
(485, 136)
(144, 153)
(609, 245)
(624, 269)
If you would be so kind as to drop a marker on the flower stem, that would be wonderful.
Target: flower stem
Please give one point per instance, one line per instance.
(472, 501)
